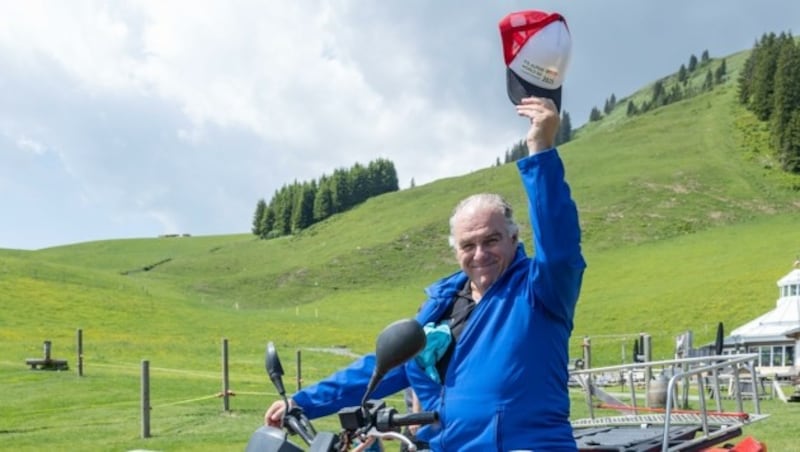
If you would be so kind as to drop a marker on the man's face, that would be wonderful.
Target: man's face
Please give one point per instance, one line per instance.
(484, 248)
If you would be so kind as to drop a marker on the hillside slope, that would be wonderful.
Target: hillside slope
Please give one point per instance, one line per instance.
(685, 223)
(683, 169)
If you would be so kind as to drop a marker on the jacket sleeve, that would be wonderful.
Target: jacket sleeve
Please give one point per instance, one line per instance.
(346, 388)
(557, 266)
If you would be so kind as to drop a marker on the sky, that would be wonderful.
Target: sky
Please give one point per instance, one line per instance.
(131, 119)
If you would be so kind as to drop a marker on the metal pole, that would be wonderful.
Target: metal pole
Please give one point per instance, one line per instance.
(587, 364)
(587, 352)
(145, 399)
(225, 383)
(644, 340)
(80, 352)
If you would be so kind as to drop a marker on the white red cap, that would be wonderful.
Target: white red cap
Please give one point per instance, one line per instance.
(537, 47)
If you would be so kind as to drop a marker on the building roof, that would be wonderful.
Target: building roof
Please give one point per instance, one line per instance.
(793, 277)
(779, 322)
(775, 325)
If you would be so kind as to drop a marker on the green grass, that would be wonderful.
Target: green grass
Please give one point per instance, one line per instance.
(686, 222)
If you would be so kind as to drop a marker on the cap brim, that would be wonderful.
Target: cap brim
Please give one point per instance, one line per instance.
(519, 89)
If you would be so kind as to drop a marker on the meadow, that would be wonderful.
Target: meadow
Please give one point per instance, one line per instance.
(686, 222)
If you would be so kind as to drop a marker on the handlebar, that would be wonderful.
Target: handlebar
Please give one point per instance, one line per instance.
(385, 423)
(375, 420)
(396, 344)
(388, 419)
(296, 422)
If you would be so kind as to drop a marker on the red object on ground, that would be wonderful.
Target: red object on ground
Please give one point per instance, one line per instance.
(749, 444)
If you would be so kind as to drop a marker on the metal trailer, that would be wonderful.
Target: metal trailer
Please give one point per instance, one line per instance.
(642, 425)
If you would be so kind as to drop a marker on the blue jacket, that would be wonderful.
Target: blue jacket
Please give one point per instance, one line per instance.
(506, 384)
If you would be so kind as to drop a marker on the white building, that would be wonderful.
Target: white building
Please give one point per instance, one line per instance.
(774, 335)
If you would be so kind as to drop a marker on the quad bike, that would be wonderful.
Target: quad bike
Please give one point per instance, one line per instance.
(667, 422)
(637, 428)
(361, 425)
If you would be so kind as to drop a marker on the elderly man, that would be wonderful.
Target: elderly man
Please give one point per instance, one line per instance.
(499, 380)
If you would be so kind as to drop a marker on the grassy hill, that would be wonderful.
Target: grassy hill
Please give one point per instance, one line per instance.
(686, 222)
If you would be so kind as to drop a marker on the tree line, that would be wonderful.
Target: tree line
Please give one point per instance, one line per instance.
(519, 149)
(298, 205)
(769, 86)
(673, 88)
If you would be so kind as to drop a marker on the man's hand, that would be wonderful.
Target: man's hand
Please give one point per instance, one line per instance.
(275, 412)
(544, 122)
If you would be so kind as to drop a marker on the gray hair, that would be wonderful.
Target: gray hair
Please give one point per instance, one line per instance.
(484, 201)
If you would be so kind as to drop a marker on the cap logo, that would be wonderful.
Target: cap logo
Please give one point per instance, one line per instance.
(543, 56)
(532, 72)
(536, 48)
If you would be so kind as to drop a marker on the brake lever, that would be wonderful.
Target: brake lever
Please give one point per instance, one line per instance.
(296, 422)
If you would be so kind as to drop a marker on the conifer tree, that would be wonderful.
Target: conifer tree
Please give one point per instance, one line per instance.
(303, 211)
(708, 83)
(683, 74)
(261, 206)
(287, 208)
(745, 81)
(282, 205)
(719, 73)
(595, 115)
(692, 63)
(383, 176)
(340, 188)
(659, 94)
(632, 110)
(267, 224)
(789, 154)
(323, 201)
(786, 94)
(761, 96)
(359, 184)
(518, 151)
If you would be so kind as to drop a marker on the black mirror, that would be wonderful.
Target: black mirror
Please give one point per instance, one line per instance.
(397, 343)
(274, 368)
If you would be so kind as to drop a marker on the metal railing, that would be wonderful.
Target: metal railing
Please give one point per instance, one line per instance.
(705, 372)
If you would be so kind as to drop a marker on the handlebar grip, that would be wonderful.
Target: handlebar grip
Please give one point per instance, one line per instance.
(400, 420)
(420, 418)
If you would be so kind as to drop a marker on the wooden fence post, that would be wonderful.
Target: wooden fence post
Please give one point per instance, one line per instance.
(225, 383)
(145, 399)
(47, 346)
(299, 375)
(80, 351)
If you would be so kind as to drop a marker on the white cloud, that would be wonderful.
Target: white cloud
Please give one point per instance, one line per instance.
(143, 117)
(30, 145)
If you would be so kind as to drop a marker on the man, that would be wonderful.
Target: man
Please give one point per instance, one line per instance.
(501, 383)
